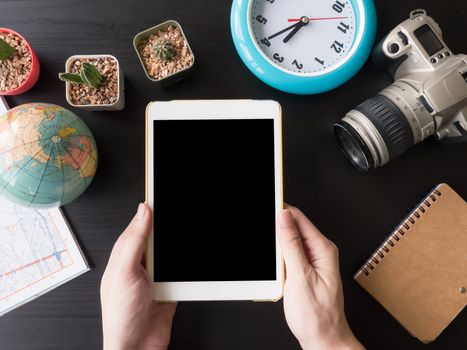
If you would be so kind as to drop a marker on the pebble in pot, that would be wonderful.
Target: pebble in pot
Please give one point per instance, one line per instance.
(19, 66)
(94, 82)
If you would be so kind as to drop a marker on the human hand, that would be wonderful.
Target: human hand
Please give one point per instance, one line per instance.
(313, 297)
(131, 319)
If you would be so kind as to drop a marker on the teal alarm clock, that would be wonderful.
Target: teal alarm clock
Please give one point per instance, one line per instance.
(303, 46)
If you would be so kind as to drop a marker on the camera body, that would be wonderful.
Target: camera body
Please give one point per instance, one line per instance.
(428, 97)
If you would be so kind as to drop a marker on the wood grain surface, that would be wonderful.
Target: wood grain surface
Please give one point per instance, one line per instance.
(355, 210)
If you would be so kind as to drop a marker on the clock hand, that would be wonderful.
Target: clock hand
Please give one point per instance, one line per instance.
(315, 19)
(284, 30)
(295, 31)
(303, 22)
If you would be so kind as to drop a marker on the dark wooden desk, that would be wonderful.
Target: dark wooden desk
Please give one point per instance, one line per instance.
(355, 210)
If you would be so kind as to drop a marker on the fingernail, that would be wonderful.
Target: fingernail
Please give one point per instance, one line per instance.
(286, 218)
(141, 211)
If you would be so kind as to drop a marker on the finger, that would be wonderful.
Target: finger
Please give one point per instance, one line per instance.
(320, 251)
(291, 243)
(129, 249)
(308, 230)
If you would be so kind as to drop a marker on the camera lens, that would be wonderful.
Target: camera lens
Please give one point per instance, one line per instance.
(353, 147)
(373, 133)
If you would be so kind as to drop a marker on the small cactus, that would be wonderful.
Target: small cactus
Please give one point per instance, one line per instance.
(6, 51)
(89, 75)
(164, 50)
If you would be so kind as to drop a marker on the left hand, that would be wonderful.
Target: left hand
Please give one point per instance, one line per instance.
(131, 319)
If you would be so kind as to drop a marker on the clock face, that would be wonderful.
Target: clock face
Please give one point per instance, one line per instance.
(303, 37)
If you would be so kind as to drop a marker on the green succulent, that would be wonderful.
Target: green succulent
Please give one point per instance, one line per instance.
(89, 75)
(164, 49)
(6, 51)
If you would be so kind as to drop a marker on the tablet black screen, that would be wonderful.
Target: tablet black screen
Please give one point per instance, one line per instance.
(214, 200)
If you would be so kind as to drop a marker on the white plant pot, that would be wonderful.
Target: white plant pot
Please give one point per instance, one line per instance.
(119, 104)
(176, 76)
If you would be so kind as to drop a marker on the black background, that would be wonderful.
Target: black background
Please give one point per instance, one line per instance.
(214, 207)
(354, 210)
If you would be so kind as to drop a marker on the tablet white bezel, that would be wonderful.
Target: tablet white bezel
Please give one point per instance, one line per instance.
(215, 110)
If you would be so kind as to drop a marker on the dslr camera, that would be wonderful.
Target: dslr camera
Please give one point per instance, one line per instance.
(428, 97)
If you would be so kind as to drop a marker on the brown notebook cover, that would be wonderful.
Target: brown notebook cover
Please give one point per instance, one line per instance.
(419, 273)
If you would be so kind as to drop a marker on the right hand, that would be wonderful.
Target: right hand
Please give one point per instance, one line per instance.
(313, 297)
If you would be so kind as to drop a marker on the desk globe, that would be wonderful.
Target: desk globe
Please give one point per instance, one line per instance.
(48, 156)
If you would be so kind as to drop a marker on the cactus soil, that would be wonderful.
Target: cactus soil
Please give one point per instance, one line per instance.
(158, 67)
(15, 70)
(107, 93)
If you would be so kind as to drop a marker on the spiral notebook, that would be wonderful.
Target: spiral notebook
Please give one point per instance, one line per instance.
(419, 273)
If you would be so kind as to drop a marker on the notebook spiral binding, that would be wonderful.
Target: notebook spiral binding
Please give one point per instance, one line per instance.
(399, 232)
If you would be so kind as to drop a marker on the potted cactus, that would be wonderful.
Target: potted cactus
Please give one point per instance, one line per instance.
(94, 82)
(164, 49)
(164, 53)
(19, 66)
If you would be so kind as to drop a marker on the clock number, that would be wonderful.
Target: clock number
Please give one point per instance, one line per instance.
(270, 1)
(266, 42)
(278, 58)
(298, 65)
(337, 46)
(321, 62)
(343, 27)
(261, 19)
(338, 6)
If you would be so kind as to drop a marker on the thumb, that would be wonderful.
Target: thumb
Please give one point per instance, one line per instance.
(132, 242)
(291, 243)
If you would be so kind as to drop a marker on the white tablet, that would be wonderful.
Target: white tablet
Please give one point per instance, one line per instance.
(214, 183)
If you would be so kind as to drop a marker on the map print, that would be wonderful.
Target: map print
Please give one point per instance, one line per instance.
(34, 256)
(31, 248)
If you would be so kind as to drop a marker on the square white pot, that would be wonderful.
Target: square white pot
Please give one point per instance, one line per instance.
(119, 104)
(174, 77)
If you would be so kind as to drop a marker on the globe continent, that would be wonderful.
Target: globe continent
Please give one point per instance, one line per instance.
(48, 156)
